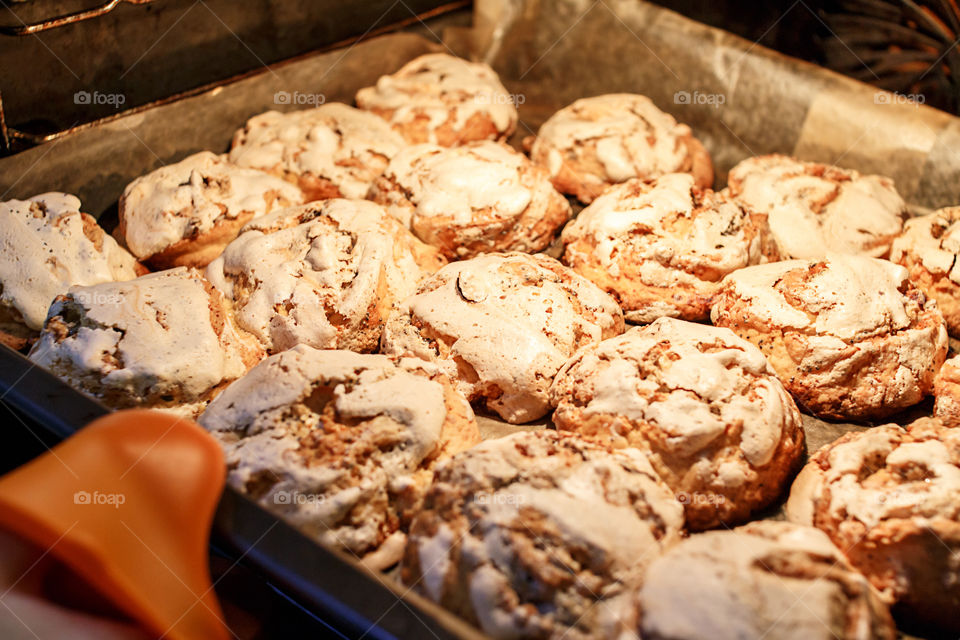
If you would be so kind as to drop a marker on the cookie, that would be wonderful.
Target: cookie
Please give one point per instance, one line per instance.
(850, 336)
(815, 209)
(46, 246)
(184, 214)
(474, 199)
(340, 444)
(441, 99)
(604, 140)
(332, 151)
(540, 535)
(928, 248)
(889, 497)
(703, 404)
(661, 247)
(166, 340)
(772, 580)
(502, 325)
(324, 274)
(946, 391)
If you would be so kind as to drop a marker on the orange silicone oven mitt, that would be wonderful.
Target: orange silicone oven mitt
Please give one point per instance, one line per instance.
(126, 504)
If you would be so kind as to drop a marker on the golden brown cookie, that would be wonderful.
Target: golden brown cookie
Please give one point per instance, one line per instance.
(928, 248)
(889, 498)
(325, 274)
(502, 325)
(815, 209)
(340, 444)
(541, 535)
(166, 340)
(946, 391)
(661, 247)
(703, 404)
(184, 214)
(332, 151)
(850, 337)
(604, 140)
(473, 199)
(46, 246)
(771, 580)
(443, 100)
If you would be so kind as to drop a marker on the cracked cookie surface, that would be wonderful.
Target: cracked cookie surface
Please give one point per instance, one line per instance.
(341, 444)
(889, 497)
(166, 340)
(502, 325)
(850, 336)
(662, 246)
(441, 99)
(541, 535)
(604, 140)
(766, 579)
(703, 404)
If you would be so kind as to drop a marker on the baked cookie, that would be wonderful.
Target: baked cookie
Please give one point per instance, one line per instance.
(889, 497)
(928, 248)
(339, 443)
(444, 100)
(946, 391)
(502, 325)
(46, 246)
(474, 199)
(815, 209)
(850, 337)
(166, 340)
(703, 404)
(184, 214)
(541, 535)
(333, 151)
(766, 579)
(661, 247)
(325, 274)
(604, 140)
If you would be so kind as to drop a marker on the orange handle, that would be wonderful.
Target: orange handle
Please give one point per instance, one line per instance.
(127, 504)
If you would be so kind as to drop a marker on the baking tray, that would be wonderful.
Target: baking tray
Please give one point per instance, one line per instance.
(771, 103)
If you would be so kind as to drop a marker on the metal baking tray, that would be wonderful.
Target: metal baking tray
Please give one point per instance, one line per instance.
(771, 103)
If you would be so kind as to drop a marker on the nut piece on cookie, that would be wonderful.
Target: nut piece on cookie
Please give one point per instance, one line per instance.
(766, 579)
(661, 247)
(341, 444)
(502, 325)
(184, 214)
(604, 140)
(889, 497)
(928, 248)
(703, 404)
(443, 100)
(325, 274)
(48, 245)
(815, 209)
(473, 199)
(850, 337)
(541, 535)
(333, 151)
(166, 340)
(946, 391)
